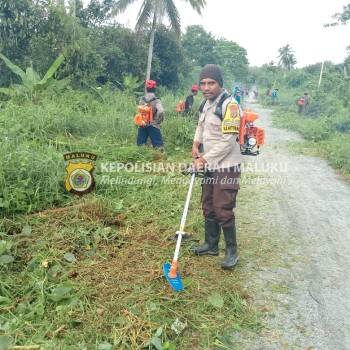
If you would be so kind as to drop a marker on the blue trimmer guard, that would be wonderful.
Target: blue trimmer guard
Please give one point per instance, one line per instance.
(176, 283)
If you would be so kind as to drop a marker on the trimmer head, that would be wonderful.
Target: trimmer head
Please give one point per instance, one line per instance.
(176, 282)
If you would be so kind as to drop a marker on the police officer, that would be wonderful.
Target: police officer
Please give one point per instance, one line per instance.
(221, 159)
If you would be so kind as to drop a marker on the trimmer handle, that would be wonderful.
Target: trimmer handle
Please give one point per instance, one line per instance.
(189, 171)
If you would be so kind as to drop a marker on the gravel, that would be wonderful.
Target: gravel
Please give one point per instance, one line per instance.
(310, 211)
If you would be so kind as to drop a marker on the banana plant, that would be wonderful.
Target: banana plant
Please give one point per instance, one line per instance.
(131, 85)
(31, 80)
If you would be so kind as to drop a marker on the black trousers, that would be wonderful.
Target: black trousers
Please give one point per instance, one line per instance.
(219, 192)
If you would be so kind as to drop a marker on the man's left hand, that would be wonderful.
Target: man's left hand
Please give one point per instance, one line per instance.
(199, 163)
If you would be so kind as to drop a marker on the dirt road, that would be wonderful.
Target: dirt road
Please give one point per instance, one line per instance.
(310, 211)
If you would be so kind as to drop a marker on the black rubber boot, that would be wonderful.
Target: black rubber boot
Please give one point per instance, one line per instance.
(212, 237)
(231, 254)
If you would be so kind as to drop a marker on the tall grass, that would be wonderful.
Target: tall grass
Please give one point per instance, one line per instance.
(330, 135)
(34, 137)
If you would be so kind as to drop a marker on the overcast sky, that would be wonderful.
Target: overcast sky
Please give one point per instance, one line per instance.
(264, 26)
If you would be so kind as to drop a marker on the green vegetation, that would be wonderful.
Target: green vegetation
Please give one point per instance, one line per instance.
(99, 51)
(326, 124)
(86, 273)
(31, 80)
(327, 137)
(154, 12)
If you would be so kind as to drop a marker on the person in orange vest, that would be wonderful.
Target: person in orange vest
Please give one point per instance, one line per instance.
(151, 130)
(303, 102)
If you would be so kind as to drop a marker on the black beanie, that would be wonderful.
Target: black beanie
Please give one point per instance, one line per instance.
(212, 71)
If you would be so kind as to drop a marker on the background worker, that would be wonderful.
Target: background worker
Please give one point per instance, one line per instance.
(152, 130)
(237, 94)
(221, 159)
(190, 99)
(274, 96)
(246, 92)
(303, 102)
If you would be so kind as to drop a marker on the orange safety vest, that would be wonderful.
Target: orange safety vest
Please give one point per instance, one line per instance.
(144, 116)
(180, 106)
(301, 102)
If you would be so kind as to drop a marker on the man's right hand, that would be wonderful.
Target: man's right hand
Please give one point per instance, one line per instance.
(195, 150)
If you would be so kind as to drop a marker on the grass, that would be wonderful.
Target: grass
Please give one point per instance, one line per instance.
(86, 273)
(113, 291)
(323, 138)
(91, 275)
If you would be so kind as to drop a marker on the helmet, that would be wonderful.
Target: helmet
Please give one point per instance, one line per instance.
(194, 88)
(151, 84)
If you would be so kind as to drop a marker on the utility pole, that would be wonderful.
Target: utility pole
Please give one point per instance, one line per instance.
(319, 81)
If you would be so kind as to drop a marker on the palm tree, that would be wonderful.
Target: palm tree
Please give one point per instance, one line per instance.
(286, 56)
(154, 11)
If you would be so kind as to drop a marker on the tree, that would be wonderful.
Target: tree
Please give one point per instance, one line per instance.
(232, 59)
(59, 31)
(347, 59)
(18, 22)
(155, 11)
(200, 46)
(170, 55)
(95, 14)
(286, 57)
(120, 53)
(341, 18)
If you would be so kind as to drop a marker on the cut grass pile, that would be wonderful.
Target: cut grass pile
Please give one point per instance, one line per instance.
(90, 276)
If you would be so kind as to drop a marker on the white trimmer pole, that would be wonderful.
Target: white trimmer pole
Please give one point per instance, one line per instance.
(188, 198)
(172, 269)
(183, 219)
(319, 81)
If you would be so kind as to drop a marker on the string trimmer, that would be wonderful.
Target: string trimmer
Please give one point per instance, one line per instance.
(198, 173)
(251, 138)
(170, 270)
